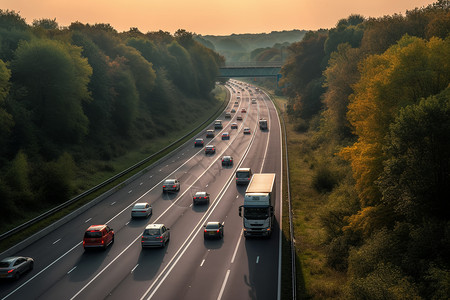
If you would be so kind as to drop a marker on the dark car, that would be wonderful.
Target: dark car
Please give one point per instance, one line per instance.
(209, 133)
(98, 236)
(210, 149)
(171, 185)
(225, 136)
(227, 161)
(200, 197)
(14, 267)
(239, 118)
(213, 230)
(198, 142)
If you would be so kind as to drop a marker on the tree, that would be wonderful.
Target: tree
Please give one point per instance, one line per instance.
(6, 120)
(408, 71)
(55, 77)
(417, 169)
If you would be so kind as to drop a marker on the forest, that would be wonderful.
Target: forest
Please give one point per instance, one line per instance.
(373, 96)
(70, 96)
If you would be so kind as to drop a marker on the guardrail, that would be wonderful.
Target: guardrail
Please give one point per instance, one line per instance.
(108, 181)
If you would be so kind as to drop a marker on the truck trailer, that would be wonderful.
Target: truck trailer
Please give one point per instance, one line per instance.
(263, 124)
(258, 209)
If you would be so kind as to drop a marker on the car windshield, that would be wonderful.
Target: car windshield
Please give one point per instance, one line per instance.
(151, 231)
(167, 182)
(200, 195)
(92, 234)
(212, 226)
(256, 213)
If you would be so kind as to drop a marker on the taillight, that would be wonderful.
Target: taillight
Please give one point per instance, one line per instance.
(103, 242)
(9, 271)
(164, 186)
(217, 231)
(205, 230)
(174, 186)
(195, 198)
(205, 197)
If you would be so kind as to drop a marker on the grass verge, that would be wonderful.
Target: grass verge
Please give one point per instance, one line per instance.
(314, 279)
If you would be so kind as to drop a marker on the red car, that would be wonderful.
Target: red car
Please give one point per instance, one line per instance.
(243, 110)
(98, 236)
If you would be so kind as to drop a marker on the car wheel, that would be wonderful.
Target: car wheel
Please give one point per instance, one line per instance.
(31, 266)
(112, 241)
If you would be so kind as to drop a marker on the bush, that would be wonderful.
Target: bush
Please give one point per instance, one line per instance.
(324, 180)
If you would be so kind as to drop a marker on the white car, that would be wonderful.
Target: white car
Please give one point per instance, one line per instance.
(143, 209)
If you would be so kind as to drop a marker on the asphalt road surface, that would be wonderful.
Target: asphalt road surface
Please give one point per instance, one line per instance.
(189, 267)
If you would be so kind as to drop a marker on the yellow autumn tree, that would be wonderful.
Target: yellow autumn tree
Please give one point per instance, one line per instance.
(410, 70)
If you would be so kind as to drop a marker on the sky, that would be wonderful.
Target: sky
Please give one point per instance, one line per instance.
(207, 17)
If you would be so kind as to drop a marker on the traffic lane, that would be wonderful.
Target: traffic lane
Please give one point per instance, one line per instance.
(175, 214)
(180, 220)
(203, 267)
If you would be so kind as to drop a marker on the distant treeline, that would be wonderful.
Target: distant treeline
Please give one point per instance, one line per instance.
(249, 47)
(87, 92)
(374, 94)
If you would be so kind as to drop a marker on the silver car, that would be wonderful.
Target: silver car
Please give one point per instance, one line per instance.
(141, 210)
(155, 235)
(171, 185)
(14, 267)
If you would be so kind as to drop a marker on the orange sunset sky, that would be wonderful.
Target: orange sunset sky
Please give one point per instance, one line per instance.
(207, 16)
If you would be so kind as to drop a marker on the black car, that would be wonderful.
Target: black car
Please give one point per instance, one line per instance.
(200, 197)
(198, 142)
(210, 149)
(213, 230)
(227, 161)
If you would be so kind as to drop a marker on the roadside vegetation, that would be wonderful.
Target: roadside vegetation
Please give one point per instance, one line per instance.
(368, 123)
(81, 103)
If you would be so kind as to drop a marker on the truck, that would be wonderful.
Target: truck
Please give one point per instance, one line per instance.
(258, 209)
(263, 124)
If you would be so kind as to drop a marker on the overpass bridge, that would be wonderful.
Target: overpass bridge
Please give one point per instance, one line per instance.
(251, 69)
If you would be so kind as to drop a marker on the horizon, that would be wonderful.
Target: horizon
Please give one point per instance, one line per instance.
(200, 16)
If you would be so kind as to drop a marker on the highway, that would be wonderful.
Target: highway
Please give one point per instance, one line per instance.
(189, 267)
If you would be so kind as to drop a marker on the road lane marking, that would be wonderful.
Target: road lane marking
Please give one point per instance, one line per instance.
(237, 196)
(141, 183)
(113, 203)
(237, 246)
(72, 270)
(134, 268)
(223, 285)
(129, 192)
(203, 261)
(257, 259)
(87, 220)
(56, 241)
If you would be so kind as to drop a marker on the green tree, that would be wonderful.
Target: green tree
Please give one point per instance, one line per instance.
(417, 169)
(6, 120)
(55, 77)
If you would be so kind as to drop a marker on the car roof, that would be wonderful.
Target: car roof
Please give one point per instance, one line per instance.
(150, 226)
(199, 139)
(141, 204)
(11, 259)
(227, 157)
(209, 146)
(213, 223)
(96, 227)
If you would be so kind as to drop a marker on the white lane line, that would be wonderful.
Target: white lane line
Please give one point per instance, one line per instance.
(113, 203)
(237, 246)
(223, 285)
(237, 196)
(207, 185)
(203, 261)
(87, 220)
(129, 192)
(257, 259)
(151, 176)
(56, 241)
(134, 268)
(127, 223)
(72, 270)
(141, 183)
